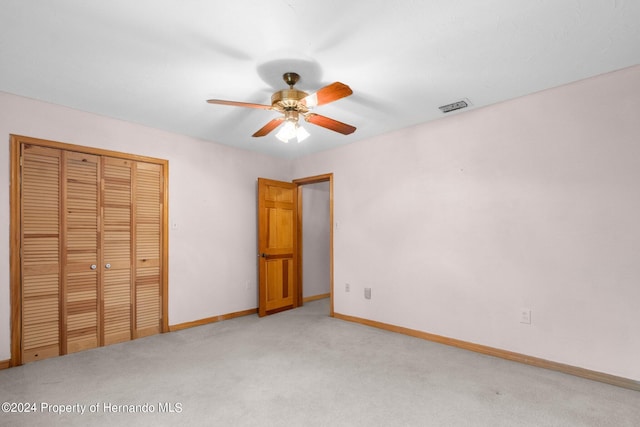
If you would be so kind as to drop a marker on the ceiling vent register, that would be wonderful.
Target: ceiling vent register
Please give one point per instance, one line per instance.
(464, 103)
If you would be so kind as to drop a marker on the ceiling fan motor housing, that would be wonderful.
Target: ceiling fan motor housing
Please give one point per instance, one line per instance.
(289, 99)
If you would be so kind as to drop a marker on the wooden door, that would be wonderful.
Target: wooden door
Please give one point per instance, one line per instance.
(148, 207)
(81, 251)
(92, 249)
(40, 247)
(117, 242)
(277, 246)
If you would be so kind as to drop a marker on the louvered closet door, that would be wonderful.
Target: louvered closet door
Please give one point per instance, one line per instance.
(81, 254)
(40, 261)
(148, 201)
(91, 241)
(117, 241)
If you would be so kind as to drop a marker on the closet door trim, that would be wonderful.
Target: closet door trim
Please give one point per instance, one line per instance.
(15, 247)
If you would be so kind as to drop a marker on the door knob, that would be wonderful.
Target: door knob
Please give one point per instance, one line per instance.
(107, 266)
(93, 266)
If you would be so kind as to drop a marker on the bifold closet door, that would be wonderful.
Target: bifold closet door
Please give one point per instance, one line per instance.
(117, 242)
(131, 249)
(91, 244)
(41, 248)
(81, 251)
(148, 207)
(60, 252)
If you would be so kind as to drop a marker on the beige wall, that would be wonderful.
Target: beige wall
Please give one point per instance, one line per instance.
(534, 203)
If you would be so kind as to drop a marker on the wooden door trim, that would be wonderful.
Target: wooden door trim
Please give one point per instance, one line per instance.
(301, 182)
(164, 255)
(87, 150)
(15, 209)
(14, 255)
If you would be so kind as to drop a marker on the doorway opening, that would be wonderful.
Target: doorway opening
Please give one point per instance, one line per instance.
(315, 239)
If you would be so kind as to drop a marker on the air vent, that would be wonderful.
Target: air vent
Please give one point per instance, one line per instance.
(455, 106)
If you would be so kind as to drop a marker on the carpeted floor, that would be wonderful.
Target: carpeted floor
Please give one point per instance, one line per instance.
(301, 368)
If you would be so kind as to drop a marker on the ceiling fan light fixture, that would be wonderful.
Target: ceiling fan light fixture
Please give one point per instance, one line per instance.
(288, 131)
(291, 129)
(301, 133)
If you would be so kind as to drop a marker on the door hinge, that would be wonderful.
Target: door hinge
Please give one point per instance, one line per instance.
(21, 161)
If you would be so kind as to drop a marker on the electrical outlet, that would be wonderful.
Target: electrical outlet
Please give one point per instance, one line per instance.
(367, 293)
(525, 316)
(347, 287)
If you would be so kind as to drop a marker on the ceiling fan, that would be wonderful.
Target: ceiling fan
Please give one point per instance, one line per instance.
(293, 103)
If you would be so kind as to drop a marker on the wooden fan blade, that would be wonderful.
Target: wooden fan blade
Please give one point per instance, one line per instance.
(239, 104)
(327, 94)
(330, 124)
(269, 127)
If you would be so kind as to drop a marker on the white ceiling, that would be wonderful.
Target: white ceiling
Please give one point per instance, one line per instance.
(155, 62)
